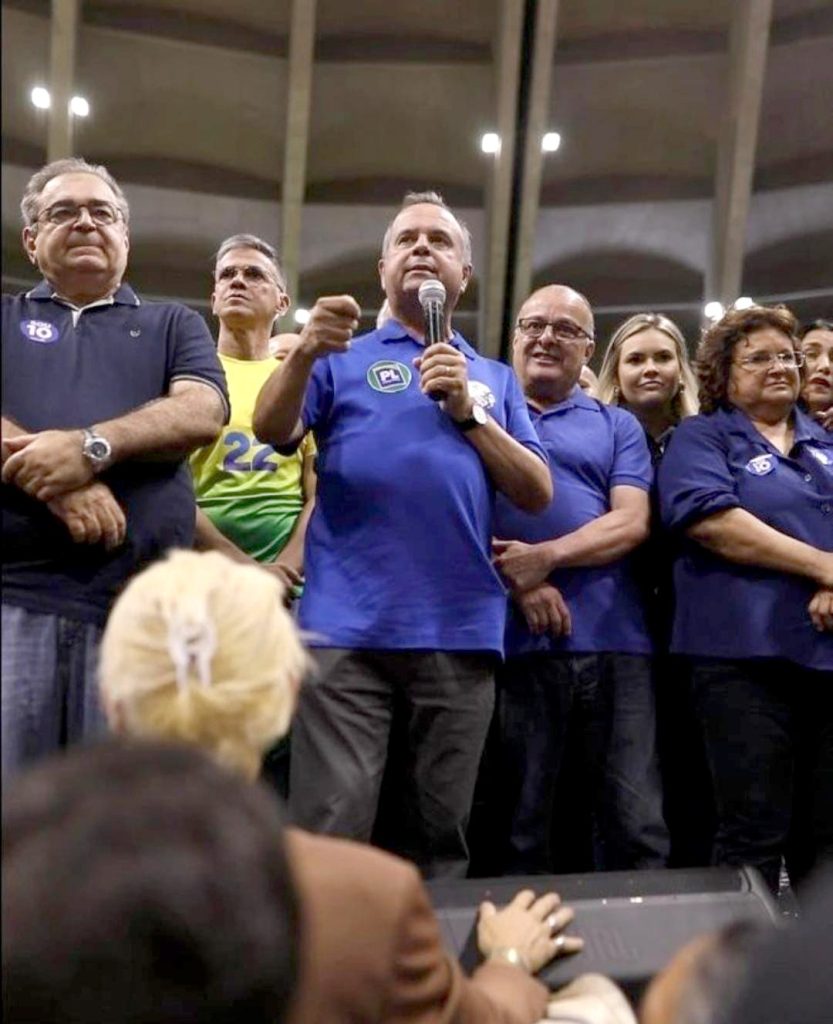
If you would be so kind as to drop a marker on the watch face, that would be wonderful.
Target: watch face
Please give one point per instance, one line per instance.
(98, 449)
(479, 414)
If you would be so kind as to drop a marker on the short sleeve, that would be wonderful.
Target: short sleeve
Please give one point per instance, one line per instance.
(631, 457)
(518, 423)
(695, 479)
(194, 355)
(318, 398)
(308, 447)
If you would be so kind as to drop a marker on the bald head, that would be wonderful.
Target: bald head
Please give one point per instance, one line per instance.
(553, 341)
(560, 293)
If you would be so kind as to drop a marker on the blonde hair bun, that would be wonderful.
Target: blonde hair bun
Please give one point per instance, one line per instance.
(200, 649)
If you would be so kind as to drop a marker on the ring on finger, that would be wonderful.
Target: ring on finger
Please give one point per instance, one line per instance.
(552, 920)
(560, 942)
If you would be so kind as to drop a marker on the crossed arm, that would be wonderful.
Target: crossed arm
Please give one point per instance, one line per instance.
(741, 537)
(599, 542)
(50, 466)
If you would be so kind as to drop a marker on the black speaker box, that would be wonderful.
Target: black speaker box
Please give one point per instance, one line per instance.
(632, 922)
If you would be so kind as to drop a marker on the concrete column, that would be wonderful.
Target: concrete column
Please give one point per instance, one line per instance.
(499, 186)
(536, 124)
(62, 44)
(748, 44)
(299, 86)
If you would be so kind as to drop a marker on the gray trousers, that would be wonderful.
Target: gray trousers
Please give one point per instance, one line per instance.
(428, 710)
(49, 691)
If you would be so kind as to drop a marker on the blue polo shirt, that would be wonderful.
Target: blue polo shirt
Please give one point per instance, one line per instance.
(591, 448)
(398, 549)
(725, 610)
(61, 374)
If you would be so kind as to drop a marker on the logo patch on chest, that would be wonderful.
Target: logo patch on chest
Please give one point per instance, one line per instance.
(481, 393)
(41, 331)
(821, 456)
(761, 465)
(388, 377)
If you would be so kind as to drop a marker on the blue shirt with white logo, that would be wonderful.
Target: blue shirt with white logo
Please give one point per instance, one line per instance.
(726, 610)
(591, 449)
(61, 374)
(398, 551)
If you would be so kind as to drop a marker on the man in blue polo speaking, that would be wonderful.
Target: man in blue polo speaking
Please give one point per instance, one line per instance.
(405, 607)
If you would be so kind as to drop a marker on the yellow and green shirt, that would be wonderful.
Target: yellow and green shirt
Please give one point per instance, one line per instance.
(250, 493)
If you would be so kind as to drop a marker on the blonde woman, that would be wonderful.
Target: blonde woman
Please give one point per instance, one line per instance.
(200, 649)
(646, 369)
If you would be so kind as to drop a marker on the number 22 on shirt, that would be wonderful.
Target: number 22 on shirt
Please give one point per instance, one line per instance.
(245, 456)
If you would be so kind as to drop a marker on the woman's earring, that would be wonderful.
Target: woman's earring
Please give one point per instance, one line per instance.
(615, 390)
(682, 386)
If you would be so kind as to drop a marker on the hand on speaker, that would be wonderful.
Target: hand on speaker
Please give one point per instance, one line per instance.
(527, 931)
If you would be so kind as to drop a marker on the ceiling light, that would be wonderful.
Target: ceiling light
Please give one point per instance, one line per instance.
(713, 310)
(550, 141)
(490, 142)
(79, 106)
(301, 316)
(744, 302)
(40, 97)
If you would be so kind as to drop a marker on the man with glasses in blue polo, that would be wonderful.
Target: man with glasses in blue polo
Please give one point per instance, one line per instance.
(576, 760)
(104, 396)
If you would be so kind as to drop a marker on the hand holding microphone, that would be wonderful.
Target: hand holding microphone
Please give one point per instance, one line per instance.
(442, 369)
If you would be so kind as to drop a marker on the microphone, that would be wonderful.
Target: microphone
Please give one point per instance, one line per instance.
(432, 300)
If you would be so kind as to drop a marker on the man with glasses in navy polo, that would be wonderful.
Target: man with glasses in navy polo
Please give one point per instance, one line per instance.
(104, 396)
(575, 695)
(402, 602)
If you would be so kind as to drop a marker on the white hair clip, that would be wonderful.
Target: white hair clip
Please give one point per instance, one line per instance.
(192, 646)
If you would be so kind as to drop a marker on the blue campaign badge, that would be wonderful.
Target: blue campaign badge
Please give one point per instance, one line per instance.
(761, 465)
(41, 331)
(389, 377)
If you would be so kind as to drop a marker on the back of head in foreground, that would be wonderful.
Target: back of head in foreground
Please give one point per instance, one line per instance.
(703, 980)
(200, 649)
(143, 884)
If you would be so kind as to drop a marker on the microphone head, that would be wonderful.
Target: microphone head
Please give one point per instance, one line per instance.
(431, 291)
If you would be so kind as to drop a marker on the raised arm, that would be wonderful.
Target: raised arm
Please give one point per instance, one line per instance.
(277, 417)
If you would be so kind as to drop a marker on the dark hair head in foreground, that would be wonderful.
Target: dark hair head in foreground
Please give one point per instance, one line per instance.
(143, 884)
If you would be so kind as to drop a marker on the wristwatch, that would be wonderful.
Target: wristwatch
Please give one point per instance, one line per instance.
(96, 450)
(478, 418)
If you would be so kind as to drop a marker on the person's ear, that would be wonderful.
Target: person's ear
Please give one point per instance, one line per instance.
(29, 238)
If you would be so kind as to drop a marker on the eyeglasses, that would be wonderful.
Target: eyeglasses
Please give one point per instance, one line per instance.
(759, 362)
(102, 214)
(533, 328)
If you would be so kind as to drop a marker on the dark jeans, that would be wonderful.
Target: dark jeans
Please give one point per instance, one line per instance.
(688, 801)
(442, 703)
(577, 763)
(768, 727)
(49, 691)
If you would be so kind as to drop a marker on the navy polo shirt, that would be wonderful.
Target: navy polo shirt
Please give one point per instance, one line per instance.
(725, 610)
(398, 550)
(63, 375)
(591, 448)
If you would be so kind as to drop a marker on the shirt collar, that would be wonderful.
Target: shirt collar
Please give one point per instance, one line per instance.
(123, 296)
(392, 331)
(577, 399)
(806, 429)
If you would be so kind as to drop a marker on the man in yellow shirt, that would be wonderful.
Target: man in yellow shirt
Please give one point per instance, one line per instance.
(252, 503)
